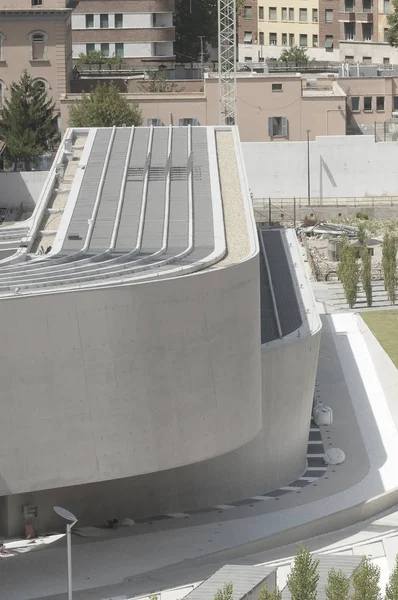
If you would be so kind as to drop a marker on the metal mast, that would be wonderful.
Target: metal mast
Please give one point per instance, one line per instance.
(227, 61)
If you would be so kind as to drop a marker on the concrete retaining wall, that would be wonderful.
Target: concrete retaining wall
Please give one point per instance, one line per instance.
(352, 166)
(24, 187)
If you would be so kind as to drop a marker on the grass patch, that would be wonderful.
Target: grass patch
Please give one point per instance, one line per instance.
(384, 325)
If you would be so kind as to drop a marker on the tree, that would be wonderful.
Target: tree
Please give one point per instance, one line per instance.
(194, 19)
(392, 22)
(158, 84)
(96, 58)
(104, 107)
(265, 594)
(348, 271)
(389, 265)
(28, 124)
(365, 579)
(366, 272)
(225, 593)
(294, 54)
(303, 579)
(392, 586)
(338, 586)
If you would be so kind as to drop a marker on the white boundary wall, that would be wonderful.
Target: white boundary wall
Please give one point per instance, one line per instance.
(22, 187)
(346, 167)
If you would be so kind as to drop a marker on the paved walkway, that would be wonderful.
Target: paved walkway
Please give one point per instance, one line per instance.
(148, 557)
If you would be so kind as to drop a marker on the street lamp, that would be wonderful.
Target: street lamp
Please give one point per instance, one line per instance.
(68, 516)
(308, 167)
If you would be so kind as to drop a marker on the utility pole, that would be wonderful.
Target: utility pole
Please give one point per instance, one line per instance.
(202, 55)
(308, 168)
(227, 61)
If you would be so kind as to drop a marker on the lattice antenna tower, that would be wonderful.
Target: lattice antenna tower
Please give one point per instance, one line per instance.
(227, 61)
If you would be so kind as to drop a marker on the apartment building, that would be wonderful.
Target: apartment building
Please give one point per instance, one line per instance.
(353, 20)
(36, 35)
(135, 30)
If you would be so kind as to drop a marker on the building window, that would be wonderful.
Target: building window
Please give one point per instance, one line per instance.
(37, 2)
(355, 103)
(367, 103)
(284, 13)
(104, 21)
(367, 60)
(119, 21)
(329, 15)
(272, 13)
(303, 15)
(186, 122)
(291, 14)
(261, 13)
(291, 39)
(38, 41)
(248, 59)
(261, 38)
(367, 32)
(315, 41)
(385, 32)
(395, 102)
(154, 123)
(284, 39)
(90, 48)
(367, 6)
(248, 37)
(105, 50)
(119, 50)
(349, 31)
(387, 7)
(328, 43)
(277, 127)
(272, 39)
(315, 15)
(349, 59)
(89, 21)
(380, 103)
(276, 87)
(248, 12)
(303, 40)
(386, 61)
(349, 6)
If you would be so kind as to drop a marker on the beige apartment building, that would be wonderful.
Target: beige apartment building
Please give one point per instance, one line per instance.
(36, 35)
(136, 30)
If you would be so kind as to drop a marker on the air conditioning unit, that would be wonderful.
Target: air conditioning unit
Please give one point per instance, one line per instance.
(312, 83)
(315, 20)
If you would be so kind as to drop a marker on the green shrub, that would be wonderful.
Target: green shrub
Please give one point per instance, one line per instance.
(362, 215)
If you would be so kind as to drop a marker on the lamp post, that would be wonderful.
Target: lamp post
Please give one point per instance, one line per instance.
(72, 520)
(308, 168)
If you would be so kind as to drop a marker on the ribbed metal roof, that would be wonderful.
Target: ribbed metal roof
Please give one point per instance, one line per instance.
(244, 579)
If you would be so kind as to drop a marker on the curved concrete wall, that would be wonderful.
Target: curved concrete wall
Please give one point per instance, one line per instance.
(111, 383)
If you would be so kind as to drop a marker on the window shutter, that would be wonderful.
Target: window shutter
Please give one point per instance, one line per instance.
(284, 126)
(195, 122)
(181, 122)
(271, 126)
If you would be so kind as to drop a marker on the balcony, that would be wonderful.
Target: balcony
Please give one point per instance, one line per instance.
(347, 16)
(364, 17)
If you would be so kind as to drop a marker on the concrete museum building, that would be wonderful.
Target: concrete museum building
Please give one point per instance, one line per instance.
(158, 352)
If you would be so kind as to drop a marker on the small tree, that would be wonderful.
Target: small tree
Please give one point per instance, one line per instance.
(28, 123)
(348, 271)
(96, 58)
(104, 107)
(303, 579)
(158, 84)
(294, 54)
(366, 273)
(392, 21)
(389, 265)
(225, 593)
(265, 594)
(366, 578)
(392, 586)
(338, 586)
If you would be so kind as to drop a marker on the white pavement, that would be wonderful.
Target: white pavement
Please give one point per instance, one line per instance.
(147, 558)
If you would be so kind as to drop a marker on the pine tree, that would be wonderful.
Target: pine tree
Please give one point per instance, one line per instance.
(338, 586)
(28, 123)
(392, 586)
(366, 578)
(366, 273)
(225, 593)
(265, 594)
(303, 579)
(104, 107)
(348, 271)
